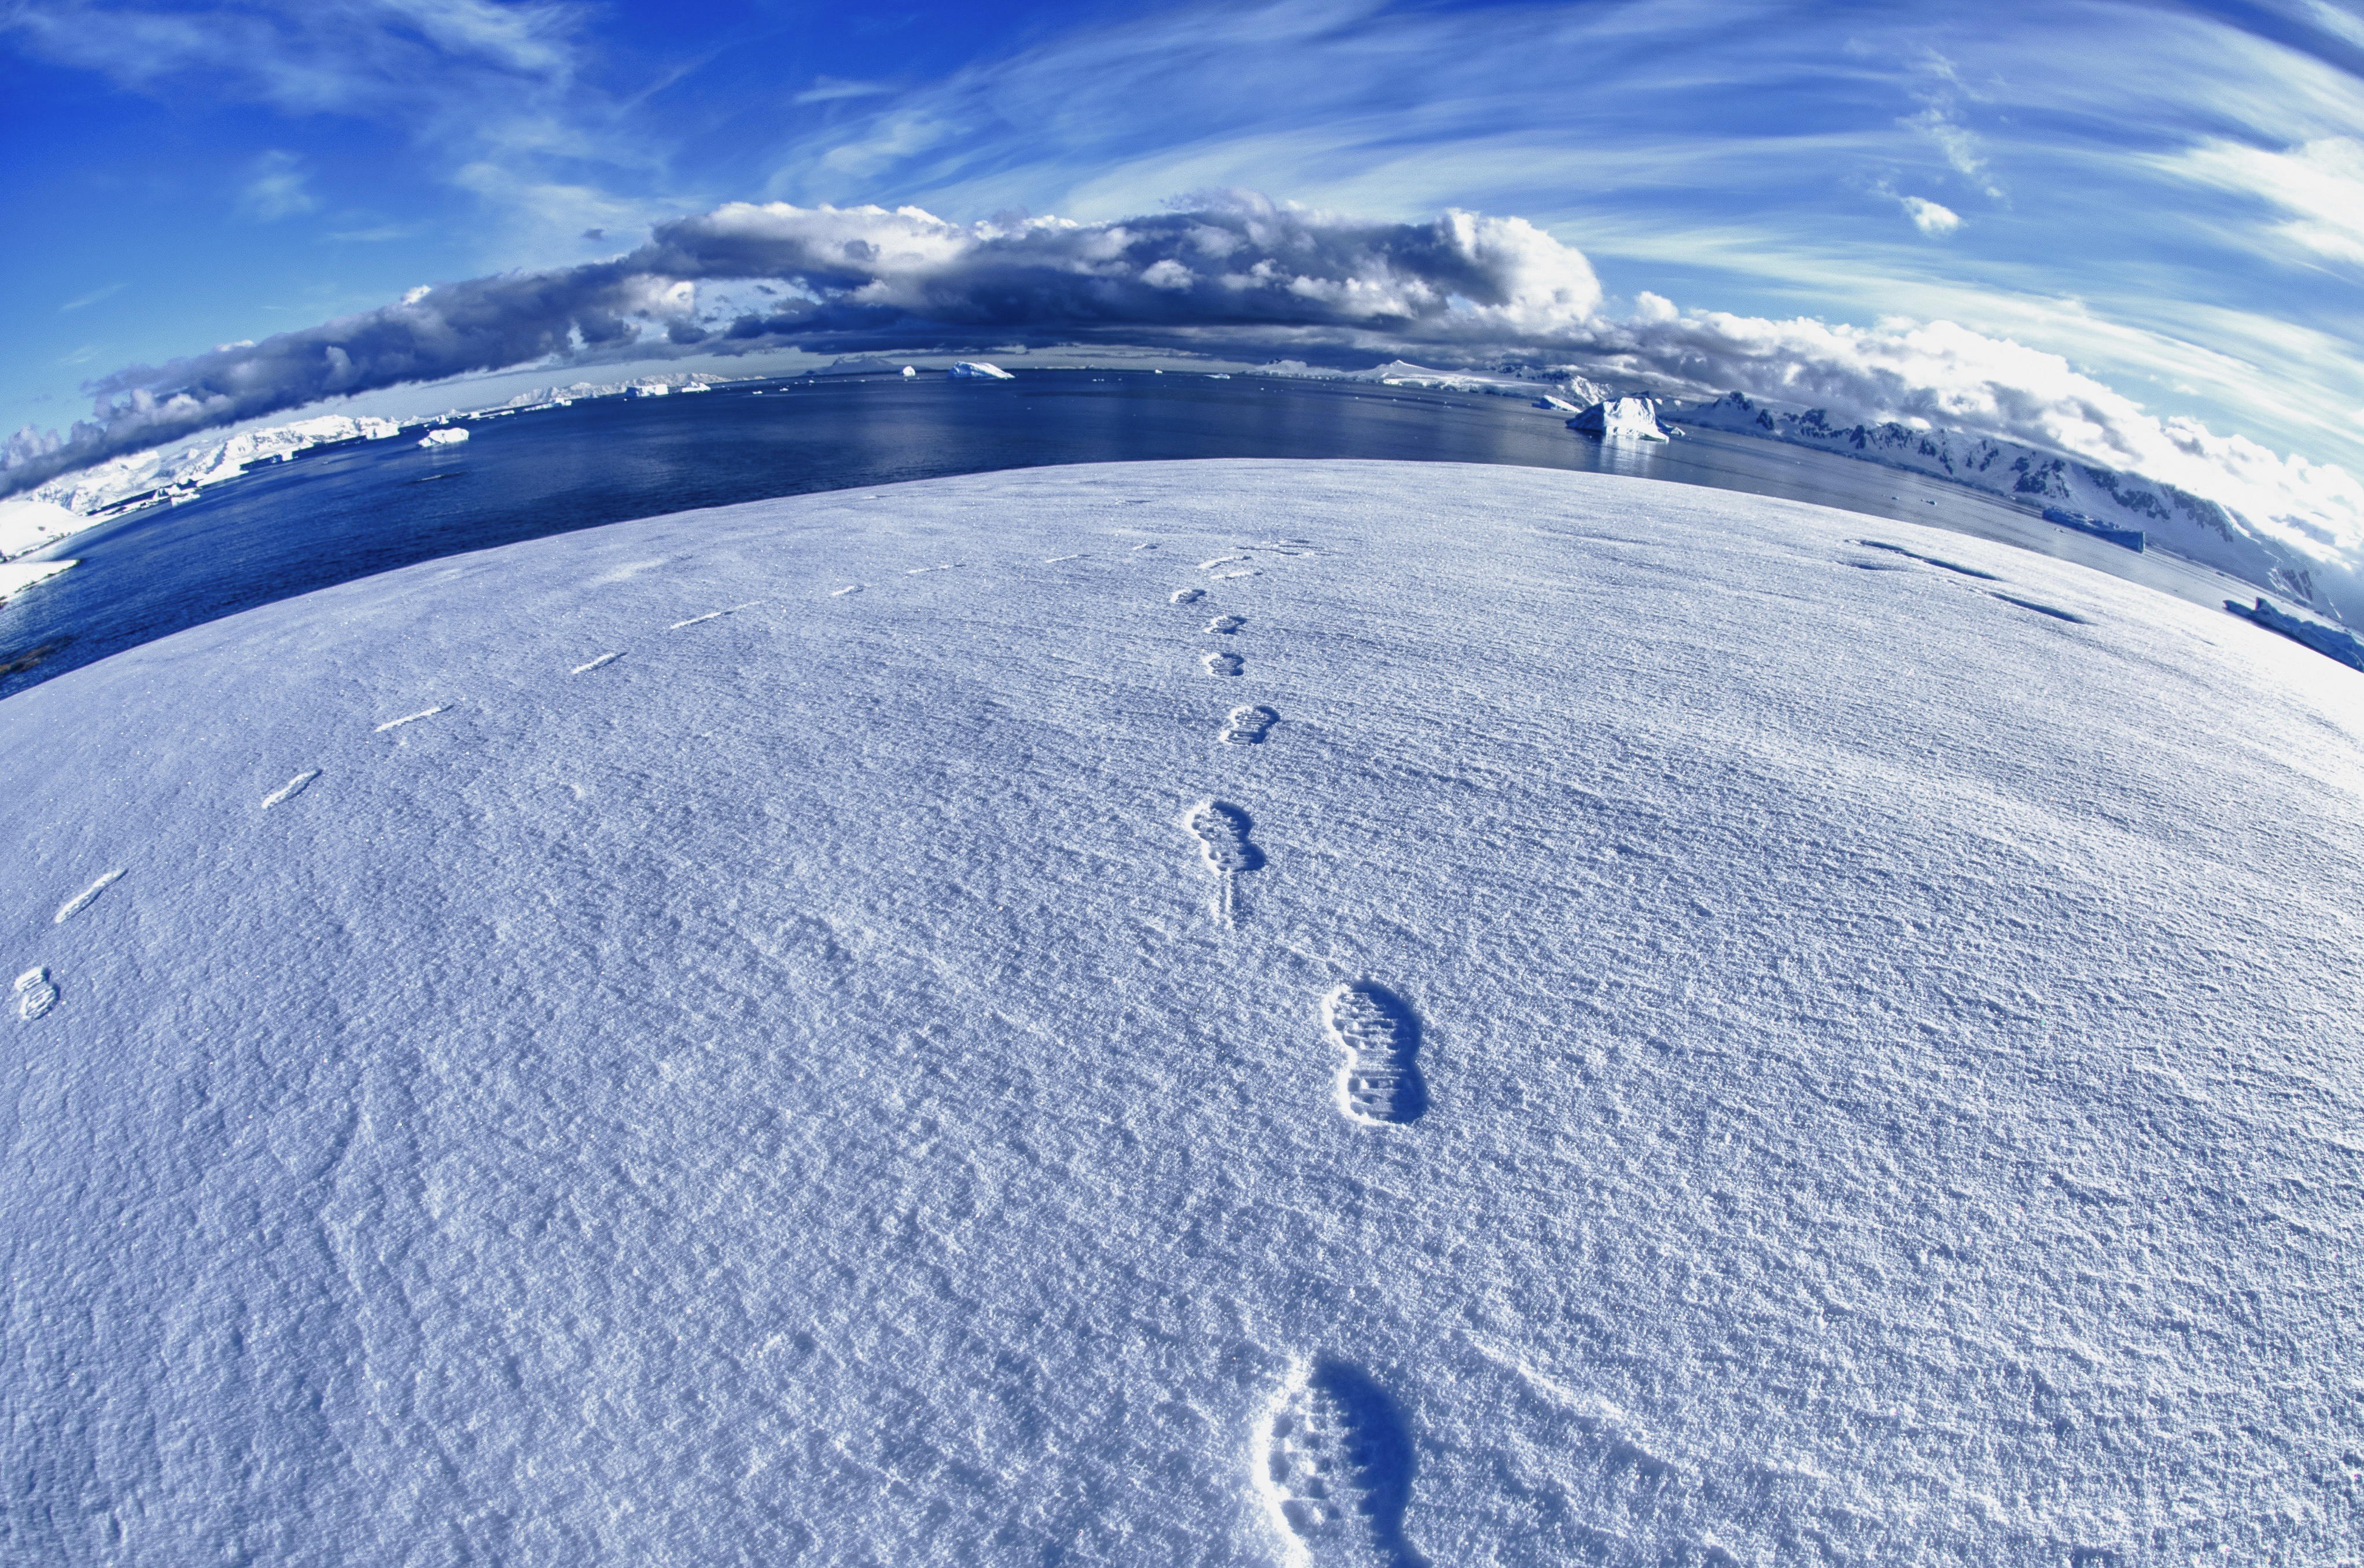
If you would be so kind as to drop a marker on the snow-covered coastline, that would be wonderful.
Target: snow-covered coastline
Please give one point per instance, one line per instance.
(1190, 1013)
(2284, 559)
(65, 505)
(2197, 529)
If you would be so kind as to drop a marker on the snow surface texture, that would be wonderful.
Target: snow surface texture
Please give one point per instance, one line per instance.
(1882, 1023)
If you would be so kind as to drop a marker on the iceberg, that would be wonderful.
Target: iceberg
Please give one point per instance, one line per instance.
(1621, 418)
(977, 370)
(910, 372)
(2127, 539)
(450, 435)
(2328, 640)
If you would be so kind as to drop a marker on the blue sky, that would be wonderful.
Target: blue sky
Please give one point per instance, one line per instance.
(2170, 196)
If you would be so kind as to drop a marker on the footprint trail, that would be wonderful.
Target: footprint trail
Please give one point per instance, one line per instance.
(1222, 663)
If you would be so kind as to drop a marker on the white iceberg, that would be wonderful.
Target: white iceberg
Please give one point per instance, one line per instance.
(1719, 1042)
(977, 370)
(910, 372)
(1621, 418)
(450, 435)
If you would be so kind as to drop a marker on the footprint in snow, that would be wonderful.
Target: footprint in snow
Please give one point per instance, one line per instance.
(1222, 663)
(1379, 1084)
(1225, 626)
(1334, 1466)
(1188, 596)
(1249, 726)
(35, 993)
(1219, 561)
(1221, 830)
(601, 663)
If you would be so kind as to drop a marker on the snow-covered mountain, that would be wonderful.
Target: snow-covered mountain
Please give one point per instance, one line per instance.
(2190, 526)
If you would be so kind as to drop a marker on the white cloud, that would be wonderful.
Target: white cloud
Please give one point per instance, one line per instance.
(1235, 273)
(276, 188)
(1928, 217)
(82, 301)
(2319, 184)
(830, 90)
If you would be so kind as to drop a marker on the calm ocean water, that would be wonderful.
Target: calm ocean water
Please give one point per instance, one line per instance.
(334, 515)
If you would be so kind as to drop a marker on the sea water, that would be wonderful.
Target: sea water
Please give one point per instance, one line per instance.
(336, 514)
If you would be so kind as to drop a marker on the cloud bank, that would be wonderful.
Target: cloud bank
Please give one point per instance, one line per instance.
(1235, 274)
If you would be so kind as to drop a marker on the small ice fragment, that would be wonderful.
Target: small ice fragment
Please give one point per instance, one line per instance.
(290, 790)
(410, 718)
(593, 664)
(81, 901)
(841, 593)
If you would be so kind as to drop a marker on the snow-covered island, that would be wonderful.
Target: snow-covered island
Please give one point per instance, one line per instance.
(2084, 496)
(1190, 1013)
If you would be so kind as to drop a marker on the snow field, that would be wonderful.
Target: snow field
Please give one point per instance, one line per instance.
(1751, 1034)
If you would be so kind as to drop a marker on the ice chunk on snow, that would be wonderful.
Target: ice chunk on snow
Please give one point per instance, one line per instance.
(451, 435)
(1635, 418)
(977, 370)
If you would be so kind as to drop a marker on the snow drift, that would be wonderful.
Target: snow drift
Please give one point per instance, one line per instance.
(1684, 1034)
